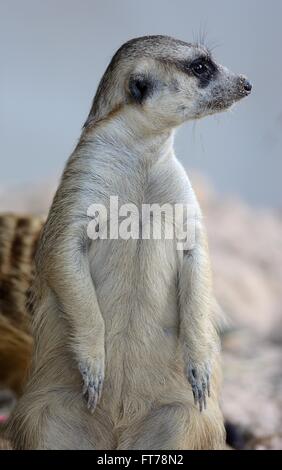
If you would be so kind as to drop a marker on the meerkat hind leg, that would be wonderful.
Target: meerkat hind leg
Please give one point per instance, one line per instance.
(78, 429)
(174, 427)
(61, 423)
(162, 429)
(61, 433)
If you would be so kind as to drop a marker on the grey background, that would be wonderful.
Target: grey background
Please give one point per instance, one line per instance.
(53, 54)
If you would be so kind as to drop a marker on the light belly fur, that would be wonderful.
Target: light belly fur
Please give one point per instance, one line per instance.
(128, 277)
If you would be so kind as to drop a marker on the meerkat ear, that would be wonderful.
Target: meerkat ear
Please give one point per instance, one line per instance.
(140, 87)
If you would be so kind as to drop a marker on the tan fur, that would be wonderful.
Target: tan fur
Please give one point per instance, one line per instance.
(129, 324)
(18, 239)
(5, 445)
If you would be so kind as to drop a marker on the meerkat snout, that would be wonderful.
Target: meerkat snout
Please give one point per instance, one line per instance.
(244, 85)
(247, 86)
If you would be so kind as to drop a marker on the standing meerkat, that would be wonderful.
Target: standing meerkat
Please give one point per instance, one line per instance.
(126, 347)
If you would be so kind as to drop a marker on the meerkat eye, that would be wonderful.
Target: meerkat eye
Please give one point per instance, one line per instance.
(200, 68)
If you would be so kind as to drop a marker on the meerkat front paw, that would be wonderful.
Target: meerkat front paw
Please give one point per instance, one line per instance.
(199, 378)
(92, 372)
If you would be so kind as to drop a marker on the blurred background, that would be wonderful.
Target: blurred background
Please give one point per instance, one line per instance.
(53, 55)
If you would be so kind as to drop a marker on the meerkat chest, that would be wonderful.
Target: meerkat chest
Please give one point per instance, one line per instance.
(141, 203)
(133, 240)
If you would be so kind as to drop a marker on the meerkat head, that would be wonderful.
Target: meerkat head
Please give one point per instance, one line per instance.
(166, 80)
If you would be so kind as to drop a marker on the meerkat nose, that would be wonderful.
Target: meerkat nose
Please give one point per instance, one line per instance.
(248, 86)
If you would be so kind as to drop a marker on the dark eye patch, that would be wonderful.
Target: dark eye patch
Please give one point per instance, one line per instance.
(204, 69)
(209, 68)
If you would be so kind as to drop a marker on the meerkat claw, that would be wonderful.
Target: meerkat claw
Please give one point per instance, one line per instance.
(195, 395)
(204, 385)
(200, 387)
(92, 386)
(208, 385)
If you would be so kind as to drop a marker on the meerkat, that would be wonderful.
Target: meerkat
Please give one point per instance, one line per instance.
(19, 235)
(127, 352)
